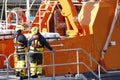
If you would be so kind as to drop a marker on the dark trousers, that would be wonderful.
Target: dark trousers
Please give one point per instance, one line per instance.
(21, 56)
(36, 58)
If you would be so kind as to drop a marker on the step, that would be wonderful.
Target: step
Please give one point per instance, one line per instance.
(44, 10)
(111, 76)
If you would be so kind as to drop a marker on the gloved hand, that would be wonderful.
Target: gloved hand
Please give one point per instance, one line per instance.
(53, 51)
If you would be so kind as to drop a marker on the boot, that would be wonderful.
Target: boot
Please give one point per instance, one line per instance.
(34, 75)
(17, 73)
(23, 77)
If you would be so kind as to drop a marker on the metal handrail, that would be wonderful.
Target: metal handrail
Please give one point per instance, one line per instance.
(6, 63)
(13, 55)
(85, 52)
(53, 63)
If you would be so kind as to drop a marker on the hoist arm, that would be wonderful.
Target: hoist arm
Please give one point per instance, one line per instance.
(69, 12)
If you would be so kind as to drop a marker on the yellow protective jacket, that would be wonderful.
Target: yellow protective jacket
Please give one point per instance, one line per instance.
(38, 42)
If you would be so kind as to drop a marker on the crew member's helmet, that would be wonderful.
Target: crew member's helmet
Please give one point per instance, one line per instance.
(19, 27)
(34, 30)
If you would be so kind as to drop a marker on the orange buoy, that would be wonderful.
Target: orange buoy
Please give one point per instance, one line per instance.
(20, 15)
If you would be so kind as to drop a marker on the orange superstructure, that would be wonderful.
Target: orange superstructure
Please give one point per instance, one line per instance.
(96, 19)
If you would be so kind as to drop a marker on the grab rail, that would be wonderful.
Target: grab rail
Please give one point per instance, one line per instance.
(7, 61)
(77, 62)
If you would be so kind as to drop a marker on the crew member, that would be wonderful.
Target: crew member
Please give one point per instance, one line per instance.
(36, 47)
(20, 49)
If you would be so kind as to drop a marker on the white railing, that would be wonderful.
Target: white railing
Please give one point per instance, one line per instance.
(53, 65)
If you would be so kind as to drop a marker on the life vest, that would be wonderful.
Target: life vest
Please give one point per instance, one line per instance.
(36, 44)
(19, 46)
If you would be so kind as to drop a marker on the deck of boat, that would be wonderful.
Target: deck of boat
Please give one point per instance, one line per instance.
(84, 76)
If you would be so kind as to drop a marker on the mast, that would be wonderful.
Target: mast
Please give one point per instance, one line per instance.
(28, 10)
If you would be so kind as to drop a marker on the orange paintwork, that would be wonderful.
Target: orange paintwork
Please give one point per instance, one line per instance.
(7, 48)
(97, 27)
(70, 13)
(63, 57)
(43, 16)
(10, 17)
